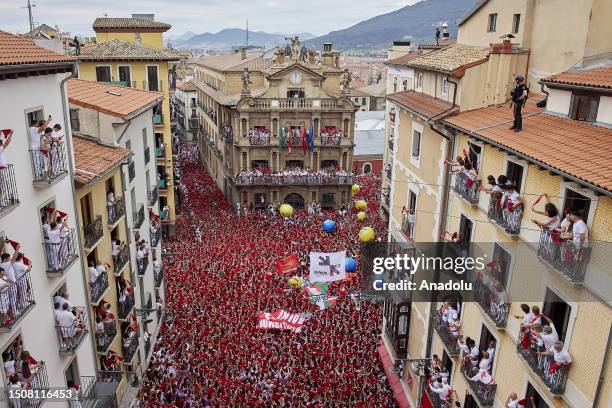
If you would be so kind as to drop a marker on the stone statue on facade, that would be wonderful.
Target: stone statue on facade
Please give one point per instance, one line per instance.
(313, 56)
(279, 56)
(345, 83)
(295, 48)
(246, 82)
(303, 54)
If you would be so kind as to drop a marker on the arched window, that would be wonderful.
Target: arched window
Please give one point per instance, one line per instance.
(367, 168)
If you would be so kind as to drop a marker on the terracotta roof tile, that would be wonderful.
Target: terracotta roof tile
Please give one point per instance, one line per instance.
(600, 77)
(444, 42)
(123, 50)
(92, 160)
(451, 60)
(186, 86)
(114, 100)
(15, 50)
(123, 23)
(422, 104)
(578, 149)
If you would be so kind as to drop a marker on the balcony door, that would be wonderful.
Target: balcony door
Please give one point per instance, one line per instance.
(538, 401)
(125, 74)
(103, 74)
(559, 312)
(153, 78)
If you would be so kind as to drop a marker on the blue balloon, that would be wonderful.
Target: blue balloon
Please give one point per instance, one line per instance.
(329, 226)
(350, 264)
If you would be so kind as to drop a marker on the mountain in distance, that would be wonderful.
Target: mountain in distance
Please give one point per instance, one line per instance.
(232, 37)
(416, 23)
(186, 36)
(303, 36)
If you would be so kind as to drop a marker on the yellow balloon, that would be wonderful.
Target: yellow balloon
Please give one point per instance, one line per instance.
(361, 205)
(355, 188)
(286, 210)
(366, 234)
(295, 282)
(361, 216)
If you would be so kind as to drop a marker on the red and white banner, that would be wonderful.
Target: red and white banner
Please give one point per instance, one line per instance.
(282, 320)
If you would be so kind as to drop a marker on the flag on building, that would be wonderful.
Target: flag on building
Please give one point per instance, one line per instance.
(288, 264)
(283, 138)
(290, 141)
(311, 139)
(327, 266)
(304, 143)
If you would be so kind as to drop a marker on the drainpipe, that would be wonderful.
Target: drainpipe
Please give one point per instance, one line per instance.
(77, 222)
(602, 373)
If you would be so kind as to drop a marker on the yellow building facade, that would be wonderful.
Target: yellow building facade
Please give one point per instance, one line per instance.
(129, 52)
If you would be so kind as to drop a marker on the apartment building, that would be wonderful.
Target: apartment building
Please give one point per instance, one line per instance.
(43, 265)
(129, 52)
(184, 105)
(116, 191)
(558, 33)
(457, 108)
(291, 115)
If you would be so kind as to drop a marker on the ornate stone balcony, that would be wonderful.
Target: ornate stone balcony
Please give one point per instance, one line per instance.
(564, 256)
(291, 180)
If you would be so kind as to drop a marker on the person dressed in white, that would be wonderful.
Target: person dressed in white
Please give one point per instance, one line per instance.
(560, 355)
(66, 321)
(55, 242)
(36, 131)
(110, 203)
(580, 232)
(441, 388)
(549, 334)
(93, 272)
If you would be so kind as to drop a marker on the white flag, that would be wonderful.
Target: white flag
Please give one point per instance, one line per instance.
(327, 267)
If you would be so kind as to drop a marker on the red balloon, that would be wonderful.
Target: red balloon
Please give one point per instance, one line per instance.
(343, 291)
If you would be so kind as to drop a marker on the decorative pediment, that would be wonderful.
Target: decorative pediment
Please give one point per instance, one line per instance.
(302, 70)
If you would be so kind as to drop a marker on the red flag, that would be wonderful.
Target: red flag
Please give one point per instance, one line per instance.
(6, 132)
(14, 244)
(26, 261)
(290, 141)
(288, 264)
(60, 213)
(304, 144)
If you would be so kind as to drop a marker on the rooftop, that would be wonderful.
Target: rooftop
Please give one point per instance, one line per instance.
(596, 77)
(423, 104)
(93, 160)
(578, 149)
(114, 50)
(227, 62)
(453, 60)
(378, 90)
(404, 59)
(109, 23)
(186, 86)
(444, 42)
(114, 100)
(15, 50)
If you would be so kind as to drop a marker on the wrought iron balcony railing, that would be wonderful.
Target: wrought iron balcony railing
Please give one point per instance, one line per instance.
(564, 256)
(126, 306)
(139, 216)
(98, 287)
(483, 393)
(158, 276)
(142, 265)
(16, 300)
(505, 218)
(328, 139)
(155, 237)
(121, 259)
(93, 232)
(467, 189)
(436, 401)
(110, 377)
(259, 139)
(39, 380)
(153, 195)
(48, 165)
(408, 224)
(92, 393)
(130, 348)
(106, 338)
(60, 255)
(555, 377)
(8, 188)
(70, 337)
(494, 305)
(116, 210)
(449, 340)
(288, 180)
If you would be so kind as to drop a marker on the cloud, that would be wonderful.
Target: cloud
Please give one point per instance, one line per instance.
(315, 16)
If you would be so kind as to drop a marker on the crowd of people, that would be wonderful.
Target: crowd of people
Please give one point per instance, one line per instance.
(294, 175)
(220, 273)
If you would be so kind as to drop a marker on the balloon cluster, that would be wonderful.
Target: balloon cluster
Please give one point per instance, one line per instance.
(295, 282)
(286, 210)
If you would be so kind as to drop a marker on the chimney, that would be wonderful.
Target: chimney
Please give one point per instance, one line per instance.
(445, 34)
(327, 47)
(150, 17)
(243, 53)
(399, 48)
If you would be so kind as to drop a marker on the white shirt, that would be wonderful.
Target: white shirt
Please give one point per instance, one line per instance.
(115, 250)
(61, 300)
(34, 138)
(57, 135)
(9, 272)
(65, 318)
(93, 274)
(483, 376)
(485, 364)
(20, 269)
(527, 318)
(549, 339)
(54, 235)
(100, 269)
(46, 228)
(443, 390)
(580, 228)
(9, 367)
(561, 356)
(2, 159)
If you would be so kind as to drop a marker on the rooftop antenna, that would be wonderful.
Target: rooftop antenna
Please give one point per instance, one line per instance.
(30, 6)
(247, 33)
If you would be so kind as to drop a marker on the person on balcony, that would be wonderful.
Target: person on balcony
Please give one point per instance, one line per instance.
(6, 297)
(110, 204)
(56, 249)
(28, 367)
(4, 143)
(67, 322)
(550, 213)
(116, 248)
(580, 231)
(561, 356)
(513, 402)
(441, 387)
(37, 128)
(93, 272)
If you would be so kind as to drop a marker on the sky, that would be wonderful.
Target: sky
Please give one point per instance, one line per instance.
(314, 16)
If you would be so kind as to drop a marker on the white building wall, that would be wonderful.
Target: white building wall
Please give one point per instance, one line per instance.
(22, 224)
(558, 101)
(604, 114)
